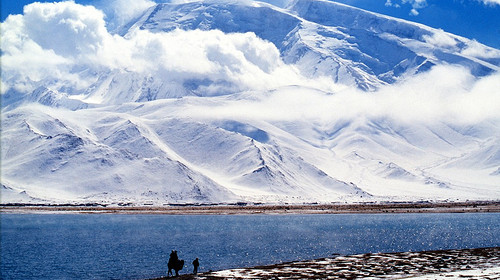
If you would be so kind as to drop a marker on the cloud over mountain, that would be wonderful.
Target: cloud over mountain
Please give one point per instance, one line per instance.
(121, 12)
(444, 94)
(65, 38)
(225, 100)
(55, 42)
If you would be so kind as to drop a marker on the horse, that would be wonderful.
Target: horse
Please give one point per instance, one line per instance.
(176, 265)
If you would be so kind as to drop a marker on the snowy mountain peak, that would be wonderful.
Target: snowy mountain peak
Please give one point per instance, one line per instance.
(324, 38)
(234, 44)
(221, 101)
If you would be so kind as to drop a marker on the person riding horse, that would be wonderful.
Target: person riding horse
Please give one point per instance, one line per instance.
(174, 263)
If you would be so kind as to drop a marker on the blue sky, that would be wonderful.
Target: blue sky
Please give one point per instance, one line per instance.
(469, 18)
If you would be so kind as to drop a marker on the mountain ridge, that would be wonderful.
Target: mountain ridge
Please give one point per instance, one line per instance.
(223, 102)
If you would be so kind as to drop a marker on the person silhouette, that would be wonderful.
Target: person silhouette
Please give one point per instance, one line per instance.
(196, 264)
(173, 256)
(174, 263)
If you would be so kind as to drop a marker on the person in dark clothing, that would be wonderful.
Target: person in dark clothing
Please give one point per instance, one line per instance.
(174, 263)
(196, 264)
(173, 256)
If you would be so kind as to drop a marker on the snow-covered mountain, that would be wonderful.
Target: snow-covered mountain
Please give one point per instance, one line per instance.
(354, 47)
(224, 101)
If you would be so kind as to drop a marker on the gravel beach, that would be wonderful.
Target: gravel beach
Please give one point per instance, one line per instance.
(481, 263)
(247, 209)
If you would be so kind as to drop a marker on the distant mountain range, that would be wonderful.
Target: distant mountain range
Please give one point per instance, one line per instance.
(288, 122)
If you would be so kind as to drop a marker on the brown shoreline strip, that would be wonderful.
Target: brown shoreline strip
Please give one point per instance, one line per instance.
(245, 209)
(372, 266)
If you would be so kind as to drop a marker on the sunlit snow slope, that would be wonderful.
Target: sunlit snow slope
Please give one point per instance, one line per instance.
(223, 101)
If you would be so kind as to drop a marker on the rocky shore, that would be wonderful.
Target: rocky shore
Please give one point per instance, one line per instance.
(481, 263)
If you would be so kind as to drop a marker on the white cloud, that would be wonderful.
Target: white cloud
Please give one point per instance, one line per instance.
(491, 2)
(440, 38)
(389, 3)
(235, 61)
(51, 42)
(414, 12)
(444, 94)
(415, 4)
(477, 49)
(64, 27)
(64, 43)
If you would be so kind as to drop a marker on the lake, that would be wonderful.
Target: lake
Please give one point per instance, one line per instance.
(114, 246)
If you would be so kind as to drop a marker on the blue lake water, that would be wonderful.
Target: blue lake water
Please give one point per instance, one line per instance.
(80, 246)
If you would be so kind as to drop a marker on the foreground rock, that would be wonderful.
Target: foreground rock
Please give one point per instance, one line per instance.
(483, 263)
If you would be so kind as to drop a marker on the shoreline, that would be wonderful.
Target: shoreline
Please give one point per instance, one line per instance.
(478, 263)
(252, 209)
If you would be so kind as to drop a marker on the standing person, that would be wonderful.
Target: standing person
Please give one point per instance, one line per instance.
(196, 263)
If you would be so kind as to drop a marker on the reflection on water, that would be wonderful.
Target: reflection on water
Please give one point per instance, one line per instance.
(50, 246)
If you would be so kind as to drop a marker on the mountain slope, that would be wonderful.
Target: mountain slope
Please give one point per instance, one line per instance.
(64, 160)
(350, 45)
(140, 159)
(221, 101)
(135, 156)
